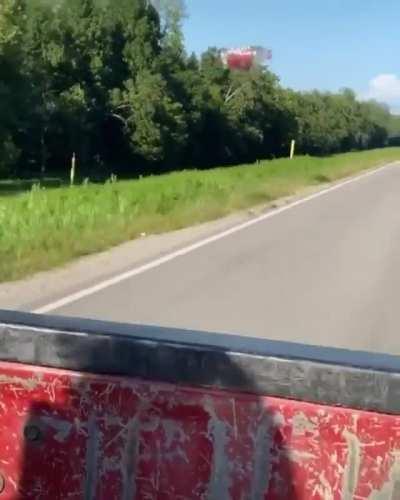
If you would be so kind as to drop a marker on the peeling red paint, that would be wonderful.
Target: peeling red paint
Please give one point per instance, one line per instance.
(105, 438)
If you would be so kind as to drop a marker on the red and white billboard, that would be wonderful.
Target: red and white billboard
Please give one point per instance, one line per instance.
(245, 58)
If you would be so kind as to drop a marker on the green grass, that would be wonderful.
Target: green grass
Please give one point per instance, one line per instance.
(48, 227)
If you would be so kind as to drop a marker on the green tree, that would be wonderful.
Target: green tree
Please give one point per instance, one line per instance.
(111, 81)
(156, 122)
(12, 84)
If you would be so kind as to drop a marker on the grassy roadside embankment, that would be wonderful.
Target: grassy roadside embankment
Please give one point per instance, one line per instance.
(48, 227)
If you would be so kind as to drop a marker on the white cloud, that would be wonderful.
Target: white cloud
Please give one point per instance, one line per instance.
(384, 88)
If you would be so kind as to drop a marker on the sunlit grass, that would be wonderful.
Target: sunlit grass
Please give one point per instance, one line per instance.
(48, 227)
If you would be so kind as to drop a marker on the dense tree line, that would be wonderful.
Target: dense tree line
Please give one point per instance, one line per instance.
(110, 80)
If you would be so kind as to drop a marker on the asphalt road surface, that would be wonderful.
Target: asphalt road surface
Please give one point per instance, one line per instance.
(323, 272)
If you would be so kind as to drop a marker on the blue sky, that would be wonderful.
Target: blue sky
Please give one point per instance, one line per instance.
(324, 44)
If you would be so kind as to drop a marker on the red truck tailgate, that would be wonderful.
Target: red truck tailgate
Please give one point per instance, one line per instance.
(93, 410)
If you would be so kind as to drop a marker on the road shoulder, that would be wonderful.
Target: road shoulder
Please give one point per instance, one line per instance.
(45, 287)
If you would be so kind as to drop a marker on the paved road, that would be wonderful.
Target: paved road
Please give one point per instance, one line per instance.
(325, 272)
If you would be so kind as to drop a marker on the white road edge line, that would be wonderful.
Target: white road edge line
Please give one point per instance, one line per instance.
(58, 304)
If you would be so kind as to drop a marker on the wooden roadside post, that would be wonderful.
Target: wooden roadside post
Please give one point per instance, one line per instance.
(73, 168)
(292, 149)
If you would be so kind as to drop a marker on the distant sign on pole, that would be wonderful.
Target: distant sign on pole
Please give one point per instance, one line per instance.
(245, 58)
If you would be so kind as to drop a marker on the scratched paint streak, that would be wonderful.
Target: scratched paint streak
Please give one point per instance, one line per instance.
(30, 383)
(391, 489)
(352, 470)
(62, 427)
(173, 432)
(220, 477)
(323, 489)
(302, 424)
(130, 459)
(300, 456)
(263, 445)
(92, 459)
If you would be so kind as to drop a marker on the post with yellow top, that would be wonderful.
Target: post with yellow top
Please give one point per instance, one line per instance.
(73, 168)
(292, 149)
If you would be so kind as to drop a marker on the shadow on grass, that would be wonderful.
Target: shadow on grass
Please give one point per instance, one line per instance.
(321, 178)
(19, 186)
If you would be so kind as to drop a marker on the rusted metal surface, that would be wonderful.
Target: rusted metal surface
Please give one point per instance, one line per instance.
(70, 435)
